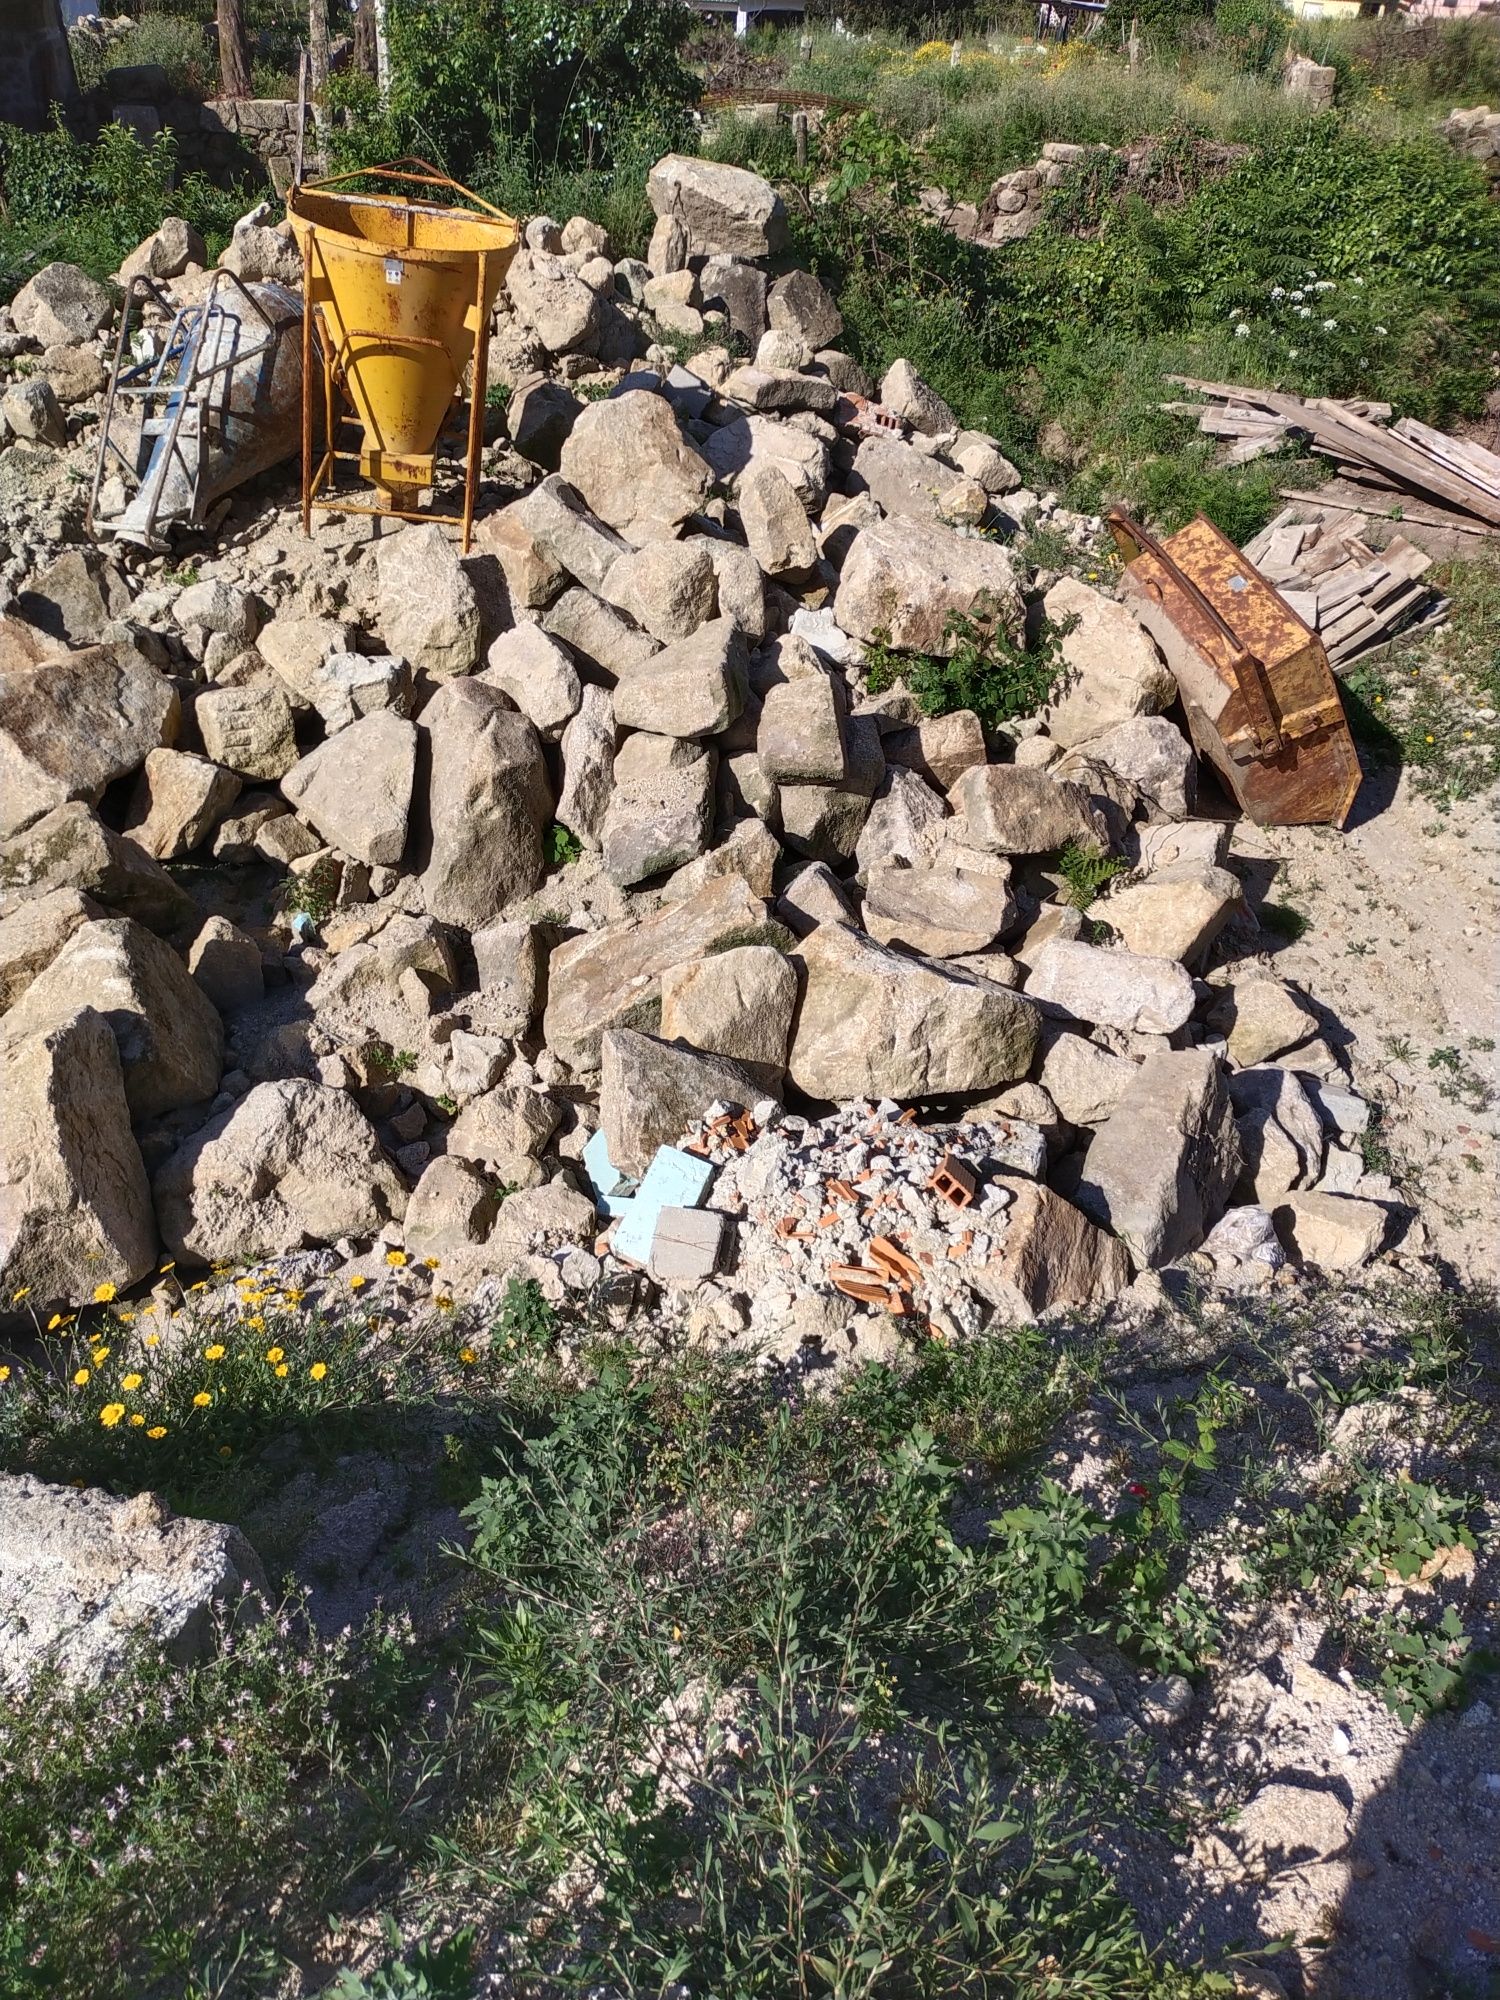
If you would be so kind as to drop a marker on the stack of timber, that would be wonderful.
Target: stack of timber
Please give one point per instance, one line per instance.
(1456, 481)
(1353, 596)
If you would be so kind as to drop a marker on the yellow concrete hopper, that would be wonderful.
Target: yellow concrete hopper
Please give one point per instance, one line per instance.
(400, 288)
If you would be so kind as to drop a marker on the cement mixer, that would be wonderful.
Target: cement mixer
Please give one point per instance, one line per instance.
(399, 293)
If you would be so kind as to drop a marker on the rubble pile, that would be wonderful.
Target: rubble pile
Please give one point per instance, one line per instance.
(575, 908)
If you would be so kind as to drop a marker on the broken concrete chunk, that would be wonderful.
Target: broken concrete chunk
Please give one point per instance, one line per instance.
(1154, 756)
(688, 1245)
(70, 849)
(1084, 1081)
(597, 634)
(1281, 1134)
(226, 963)
(903, 390)
(940, 748)
(32, 936)
(668, 588)
(657, 819)
(588, 762)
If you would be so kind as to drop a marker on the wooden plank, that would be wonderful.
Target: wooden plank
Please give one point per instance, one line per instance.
(1419, 514)
(1480, 465)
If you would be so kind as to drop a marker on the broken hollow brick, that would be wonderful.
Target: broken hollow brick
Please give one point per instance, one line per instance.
(953, 1179)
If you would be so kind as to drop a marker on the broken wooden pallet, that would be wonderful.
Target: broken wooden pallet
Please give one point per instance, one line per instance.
(1414, 457)
(1353, 596)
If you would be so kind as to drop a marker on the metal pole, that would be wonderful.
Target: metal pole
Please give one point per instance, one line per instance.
(307, 344)
(477, 394)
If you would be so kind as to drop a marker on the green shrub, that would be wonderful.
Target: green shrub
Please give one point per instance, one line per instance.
(990, 671)
(476, 88)
(91, 204)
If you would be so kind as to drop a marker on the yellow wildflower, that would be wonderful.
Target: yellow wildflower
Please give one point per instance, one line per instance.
(357, 1282)
(467, 1356)
(104, 1293)
(256, 1322)
(130, 1381)
(54, 1323)
(101, 1355)
(4, 1374)
(157, 1431)
(318, 1370)
(202, 1400)
(19, 1293)
(282, 1369)
(111, 1414)
(136, 1418)
(125, 1318)
(170, 1265)
(274, 1354)
(443, 1302)
(214, 1351)
(294, 1297)
(395, 1258)
(153, 1340)
(80, 1377)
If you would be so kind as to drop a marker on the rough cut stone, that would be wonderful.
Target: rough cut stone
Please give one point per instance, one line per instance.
(800, 738)
(226, 963)
(30, 410)
(904, 578)
(1048, 1254)
(295, 647)
(1261, 1018)
(346, 686)
(1161, 1167)
(798, 304)
(694, 687)
(70, 849)
(1084, 1081)
(75, 1208)
(651, 1092)
(70, 726)
(1335, 1232)
(356, 787)
(179, 800)
(166, 252)
(940, 915)
(628, 459)
(170, 1037)
(488, 805)
(746, 441)
(1281, 1134)
(597, 634)
(538, 674)
(555, 516)
(365, 994)
(73, 600)
(738, 1004)
(504, 1124)
(61, 306)
(775, 521)
(1111, 989)
(588, 762)
(1113, 670)
(533, 574)
(1154, 756)
(452, 1210)
(292, 1164)
(426, 605)
(86, 1578)
(1176, 912)
(33, 935)
(724, 211)
(248, 730)
(940, 748)
(669, 588)
(612, 977)
(905, 481)
(906, 824)
(1008, 809)
(657, 818)
(903, 390)
(566, 314)
(875, 1024)
(539, 416)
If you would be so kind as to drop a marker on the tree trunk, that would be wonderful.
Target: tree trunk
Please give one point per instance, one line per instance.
(234, 50)
(364, 38)
(317, 58)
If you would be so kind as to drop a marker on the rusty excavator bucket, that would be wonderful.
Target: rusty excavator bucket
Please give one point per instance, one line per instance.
(399, 290)
(1262, 703)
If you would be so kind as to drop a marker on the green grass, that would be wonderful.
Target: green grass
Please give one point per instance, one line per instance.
(731, 1688)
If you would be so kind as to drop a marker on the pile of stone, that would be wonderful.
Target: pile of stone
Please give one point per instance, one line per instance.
(1476, 132)
(292, 954)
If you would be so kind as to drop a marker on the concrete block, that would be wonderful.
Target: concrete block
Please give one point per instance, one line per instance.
(688, 1245)
(674, 1179)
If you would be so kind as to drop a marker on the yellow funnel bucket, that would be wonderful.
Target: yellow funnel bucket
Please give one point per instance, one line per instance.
(401, 289)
